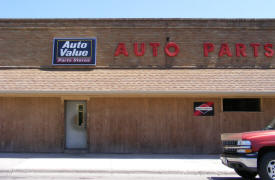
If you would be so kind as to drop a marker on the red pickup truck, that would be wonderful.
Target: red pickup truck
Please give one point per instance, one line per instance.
(251, 153)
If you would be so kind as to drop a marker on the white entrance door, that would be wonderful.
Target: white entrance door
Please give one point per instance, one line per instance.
(76, 125)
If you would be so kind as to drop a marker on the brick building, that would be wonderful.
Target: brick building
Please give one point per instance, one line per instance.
(158, 85)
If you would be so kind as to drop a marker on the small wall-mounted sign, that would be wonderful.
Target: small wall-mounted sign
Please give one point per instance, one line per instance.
(203, 109)
(74, 51)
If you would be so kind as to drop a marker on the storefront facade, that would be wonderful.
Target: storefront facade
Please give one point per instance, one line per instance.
(133, 85)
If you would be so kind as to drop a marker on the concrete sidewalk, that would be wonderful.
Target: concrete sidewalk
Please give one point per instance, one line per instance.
(112, 163)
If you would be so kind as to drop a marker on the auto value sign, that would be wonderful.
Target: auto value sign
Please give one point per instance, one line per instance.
(78, 51)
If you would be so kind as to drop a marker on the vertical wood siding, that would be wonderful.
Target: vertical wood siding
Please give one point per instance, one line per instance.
(125, 125)
(248, 121)
(151, 125)
(31, 125)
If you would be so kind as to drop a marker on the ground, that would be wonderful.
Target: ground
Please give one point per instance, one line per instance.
(112, 176)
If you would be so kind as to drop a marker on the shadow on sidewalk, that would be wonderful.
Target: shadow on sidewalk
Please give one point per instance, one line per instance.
(106, 156)
(227, 178)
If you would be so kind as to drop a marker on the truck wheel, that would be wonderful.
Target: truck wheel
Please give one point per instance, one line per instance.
(246, 174)
(267, 166)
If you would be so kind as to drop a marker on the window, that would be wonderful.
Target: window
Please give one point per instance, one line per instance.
(242, 104)
(80, 119)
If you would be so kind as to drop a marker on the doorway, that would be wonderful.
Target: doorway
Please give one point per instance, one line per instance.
(76, 125)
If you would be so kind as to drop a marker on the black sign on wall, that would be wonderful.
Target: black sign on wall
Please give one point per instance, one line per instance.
(74, 51)
(203, 109)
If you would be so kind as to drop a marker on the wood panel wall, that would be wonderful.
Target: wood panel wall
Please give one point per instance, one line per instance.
(151, 125)
(166, 125)
(268, 108)
(31, 125)
(248, 121)
(125, 125)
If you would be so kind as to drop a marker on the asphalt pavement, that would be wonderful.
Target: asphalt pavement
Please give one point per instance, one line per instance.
(112, 163)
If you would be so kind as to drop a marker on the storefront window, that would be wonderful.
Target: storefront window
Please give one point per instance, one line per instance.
(241, 104)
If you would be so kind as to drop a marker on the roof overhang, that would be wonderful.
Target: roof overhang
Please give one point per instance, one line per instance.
(143, 82)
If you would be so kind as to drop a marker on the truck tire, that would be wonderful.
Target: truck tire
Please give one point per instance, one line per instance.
(267, 166)
(245, 174)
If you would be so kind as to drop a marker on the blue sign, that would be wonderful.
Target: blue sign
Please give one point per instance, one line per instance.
(77, 51)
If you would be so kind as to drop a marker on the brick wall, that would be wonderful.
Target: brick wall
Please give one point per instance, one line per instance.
(29, 42)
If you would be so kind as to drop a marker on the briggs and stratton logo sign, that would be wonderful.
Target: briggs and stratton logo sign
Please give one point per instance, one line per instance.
(78, 51)
(203, 109)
